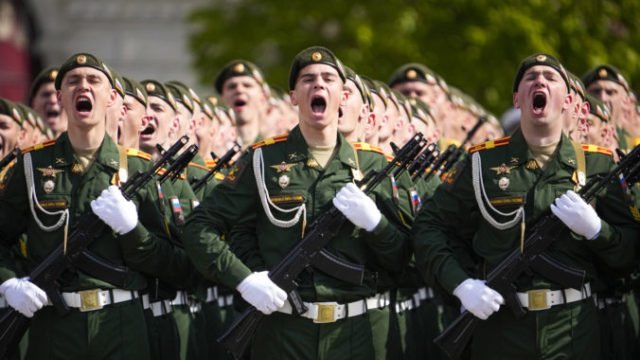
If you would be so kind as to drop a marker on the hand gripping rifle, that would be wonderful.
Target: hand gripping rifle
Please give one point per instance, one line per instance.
(13, 324)
(222, 162)
(455, 337)
(310, 252)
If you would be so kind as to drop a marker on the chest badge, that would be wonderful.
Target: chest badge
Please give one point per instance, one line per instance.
(503, 183)
(312, 163)
(49, 171)
(293, 156)
(283, 181)
(59, 161)
(515, 160)
(48, 186)
(503, 169)
(283, 167)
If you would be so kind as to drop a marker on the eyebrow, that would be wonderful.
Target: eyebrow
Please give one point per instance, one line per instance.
(324, 73)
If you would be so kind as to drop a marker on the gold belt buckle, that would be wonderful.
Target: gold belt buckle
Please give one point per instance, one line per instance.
(326, 313)
(538, 299)
(90, 300)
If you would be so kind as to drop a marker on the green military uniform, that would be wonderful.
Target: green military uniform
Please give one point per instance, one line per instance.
(512, 179)
(292, 177)
(61, 184)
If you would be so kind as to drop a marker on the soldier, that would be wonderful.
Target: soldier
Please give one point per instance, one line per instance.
(117, 111)
(242, 87)
(42, 98)
(609, 85)
(71, 172)
(135, 101)
(575, 121)
(355, 111)
(519, 179)
(599, 116)
(12, 134)
(313, 154)
(377, 111)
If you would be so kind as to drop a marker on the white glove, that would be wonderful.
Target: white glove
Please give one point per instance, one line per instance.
(116, 211)
(579, 216)
(357, 207)
(23, 295)
(478, 298)
(258, 290)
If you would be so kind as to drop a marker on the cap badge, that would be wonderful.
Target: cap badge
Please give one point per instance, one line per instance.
(151, 87)
(238, 68)
(411, 74)
(81, 59)
(541, 58)
(53, 74)
(602, 73)
(503, 183)
(316, 56)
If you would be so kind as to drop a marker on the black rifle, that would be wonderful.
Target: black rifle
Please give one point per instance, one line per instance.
(178, 164)
(424, 160)
(222, 162)
(456, 336)
(309, 252)
(9, 157)
(13, 324)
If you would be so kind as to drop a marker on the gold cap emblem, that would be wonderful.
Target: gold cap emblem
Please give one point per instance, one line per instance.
(316, 56)
(53, 74)
(151, 87)
(411, 74)
(602, 73)
(541, 58)
(214, 100)
(81, 59)
(238, 68)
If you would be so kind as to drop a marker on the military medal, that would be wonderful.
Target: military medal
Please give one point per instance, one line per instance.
(176, 208)
(503, 183)
(49, 171)
(49, 185)
(312, 163)
(283, 181)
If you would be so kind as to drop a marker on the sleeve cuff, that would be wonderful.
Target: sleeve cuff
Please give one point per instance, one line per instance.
(132, 238)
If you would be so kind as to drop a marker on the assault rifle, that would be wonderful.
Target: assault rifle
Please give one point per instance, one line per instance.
(222, 162)
(424, 160)
(13, 324)
(9, 157)
(456, 336)
(179, 163)
(310, 252)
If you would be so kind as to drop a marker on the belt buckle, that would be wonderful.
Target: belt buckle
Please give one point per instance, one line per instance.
(538, 299)
(90, 300)
(326, 313)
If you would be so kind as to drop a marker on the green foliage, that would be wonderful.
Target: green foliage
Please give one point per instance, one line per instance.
(475, 45)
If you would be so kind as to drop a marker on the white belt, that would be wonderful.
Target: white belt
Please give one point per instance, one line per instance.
(96, 299)
(415, 300)
(158, 308)
(212, 294)
(542, 299)
(405, 305)
(425, 293)
(222, 300)
(606, 301)
(328, 312)
(181, 298)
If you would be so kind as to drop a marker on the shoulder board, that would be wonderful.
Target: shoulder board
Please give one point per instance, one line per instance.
(389, 157)
(161, 172)
(362, 146)
(270, 141)
(39, 146)
(219, 176)
(636, 141)
(490, 144)
(138, 153)
(211, 163)
(596, 149)
(198, 166)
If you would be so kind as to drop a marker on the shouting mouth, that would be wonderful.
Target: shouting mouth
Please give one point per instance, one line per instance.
(83, 105)
(539, 102)
(318, 106)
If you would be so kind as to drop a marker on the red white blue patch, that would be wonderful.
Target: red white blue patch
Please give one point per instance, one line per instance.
(416, 202)
(176, 209)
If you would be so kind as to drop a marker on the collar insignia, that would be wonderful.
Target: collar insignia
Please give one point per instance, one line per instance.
(312, 163)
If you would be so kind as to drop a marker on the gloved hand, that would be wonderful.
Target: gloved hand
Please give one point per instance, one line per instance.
(579, 216)
(23, 295)
(357, 207)
(479, 299)
(117, 212)
(258, 290)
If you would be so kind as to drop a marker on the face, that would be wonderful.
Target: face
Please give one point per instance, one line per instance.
(11, 135)
(202, 128)
(352, 110)
(85, 94)
(45, 103)
(115, 115)
(612, 94)
(318, 93)
(391, 116)
(598, 131)
(246, 97)
(160, 116)
(542, 98)
(133, 123)
(418, 90)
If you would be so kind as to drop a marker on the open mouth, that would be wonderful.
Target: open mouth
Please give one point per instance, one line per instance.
(83, 104)
(239, 104)
(149, 130)
(318, 105)
(52, 114)
(539, 102)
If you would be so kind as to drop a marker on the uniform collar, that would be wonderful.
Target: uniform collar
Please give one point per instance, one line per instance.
(107, 155)
(298, 150)
(521, 153)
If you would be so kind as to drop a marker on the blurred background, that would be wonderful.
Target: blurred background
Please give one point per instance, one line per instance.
(475, 45)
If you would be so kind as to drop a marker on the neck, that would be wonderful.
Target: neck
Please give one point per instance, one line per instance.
(540, 135)
(326, 136)
(351, 136)
(386, 146)
(86, 138)
(248, 132)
